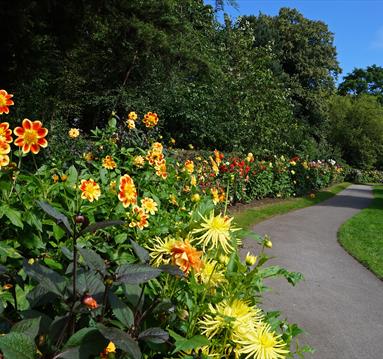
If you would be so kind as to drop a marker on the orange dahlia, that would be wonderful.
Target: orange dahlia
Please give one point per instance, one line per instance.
(5, 101)
(90, 190)
(31, 136)
(109, 163)
(5, 133)
(150, 119)
(140, 218)
(189, 166)
(128, 192)
(186, 257)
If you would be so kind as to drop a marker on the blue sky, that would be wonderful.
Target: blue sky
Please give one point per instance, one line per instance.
(357, 25)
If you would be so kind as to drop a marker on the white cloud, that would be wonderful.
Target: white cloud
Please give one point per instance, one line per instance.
(377, 43)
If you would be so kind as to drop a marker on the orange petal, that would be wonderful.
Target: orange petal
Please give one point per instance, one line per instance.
(36, 125)
(26, 148)
(27, 124)
(19, 142)
(19, 131)
(35, 148)
(42, 132)
(42, 142)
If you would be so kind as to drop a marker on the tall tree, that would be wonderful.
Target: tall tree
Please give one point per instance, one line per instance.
(364, 81)
(305, 59)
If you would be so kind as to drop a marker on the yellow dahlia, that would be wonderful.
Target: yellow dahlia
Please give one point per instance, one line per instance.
(262, 343)
(212, 274)
(90, 190)
(236, 317)
(74, 133)
(131, 124)
(216, 232)
(161, 250)
(149, 205)
(128, 192)
(132, 116)
(139, 161)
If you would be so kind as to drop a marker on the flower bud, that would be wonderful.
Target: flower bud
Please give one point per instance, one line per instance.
(89, 301)
(250, 259)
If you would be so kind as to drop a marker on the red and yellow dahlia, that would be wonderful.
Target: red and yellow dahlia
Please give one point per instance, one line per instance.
(5, 132)
(31, 136)
(128, 192)
(5, 101)
(150, 119)
(90, 190)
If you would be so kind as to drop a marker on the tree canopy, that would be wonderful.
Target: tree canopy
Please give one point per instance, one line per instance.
(364, 81)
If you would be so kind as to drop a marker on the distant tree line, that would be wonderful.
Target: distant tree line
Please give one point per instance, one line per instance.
(263, 83)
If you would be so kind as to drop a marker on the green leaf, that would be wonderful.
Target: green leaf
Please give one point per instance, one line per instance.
(136, 273)
(183, 344)
(13, 215)
(86, 343)
(29, 327)
(17, 346)
(61, 220)
(72, 176)
(98, 225)
(121, 311)
(154, 335)
(104, 175)
(92, 259)
(8, 251)
(122, 340)
(51, 263)
(141, 253)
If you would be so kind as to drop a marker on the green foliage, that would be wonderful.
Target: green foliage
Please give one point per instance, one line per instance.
(363, 81)
(356, 128)
(305, 60)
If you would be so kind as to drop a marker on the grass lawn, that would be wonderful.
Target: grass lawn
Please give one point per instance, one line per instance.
(249, 216)
(362, 235)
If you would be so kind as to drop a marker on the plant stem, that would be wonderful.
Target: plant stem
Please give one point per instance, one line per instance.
(104, 302)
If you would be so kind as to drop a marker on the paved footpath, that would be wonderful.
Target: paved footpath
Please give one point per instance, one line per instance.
(340, 303)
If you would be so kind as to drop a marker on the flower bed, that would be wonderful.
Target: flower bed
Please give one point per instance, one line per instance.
(125, 253)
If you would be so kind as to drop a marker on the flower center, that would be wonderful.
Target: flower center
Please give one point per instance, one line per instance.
(267, 340)
(3, 100)
(30, 137)
(2, 132)
(90, 188)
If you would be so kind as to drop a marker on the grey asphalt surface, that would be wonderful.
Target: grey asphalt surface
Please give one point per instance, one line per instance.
(340, 303)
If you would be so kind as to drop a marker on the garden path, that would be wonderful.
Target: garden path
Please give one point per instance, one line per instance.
(340, 303)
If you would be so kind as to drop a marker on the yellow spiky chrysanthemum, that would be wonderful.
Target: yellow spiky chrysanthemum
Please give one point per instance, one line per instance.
(262, 343)
(237, 317)
(217, 230)
(212, 274)
(161, 250)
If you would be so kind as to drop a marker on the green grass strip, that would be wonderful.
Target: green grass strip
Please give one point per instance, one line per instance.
(249, 216)
(362, 235)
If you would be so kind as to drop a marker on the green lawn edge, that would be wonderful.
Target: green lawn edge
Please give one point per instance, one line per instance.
(248, 217)
(362, 235)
